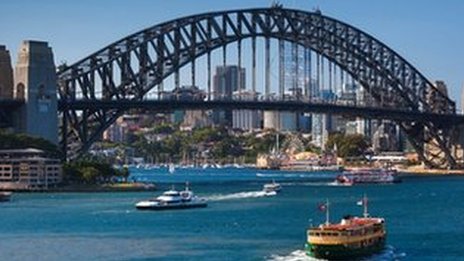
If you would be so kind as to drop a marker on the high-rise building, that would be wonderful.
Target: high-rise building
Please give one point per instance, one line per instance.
(6, 74)
(436, 98)
(285, 120)
(462, 99)
(226, 81)
(191, 118)
(36, 83)
(280, 120)
(246, 119)
(386, 137)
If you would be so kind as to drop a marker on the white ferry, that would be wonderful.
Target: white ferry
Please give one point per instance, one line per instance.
(359, 176)
(173, 199)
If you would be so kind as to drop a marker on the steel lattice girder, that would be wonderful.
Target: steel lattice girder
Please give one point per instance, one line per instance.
(131, 67)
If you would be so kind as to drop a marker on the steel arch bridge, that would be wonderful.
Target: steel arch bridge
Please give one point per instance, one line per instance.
(125, 71)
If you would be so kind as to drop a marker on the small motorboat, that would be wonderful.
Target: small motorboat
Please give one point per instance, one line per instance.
(272, 188)
(173, 199)
(343, 180)
(5, 196)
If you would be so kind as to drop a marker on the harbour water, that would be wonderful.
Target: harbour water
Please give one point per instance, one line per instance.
(425, 219)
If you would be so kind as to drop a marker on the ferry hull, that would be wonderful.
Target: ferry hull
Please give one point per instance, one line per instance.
(341, 252)
(168, 207)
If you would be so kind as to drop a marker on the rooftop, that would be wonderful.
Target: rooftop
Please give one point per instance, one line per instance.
(28, 150)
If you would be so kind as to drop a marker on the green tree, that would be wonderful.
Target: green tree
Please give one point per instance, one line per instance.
(351, 145)
(23, 141)
(89, 175)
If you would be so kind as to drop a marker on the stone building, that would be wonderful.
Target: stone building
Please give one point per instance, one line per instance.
(35, 82)
(28, 169)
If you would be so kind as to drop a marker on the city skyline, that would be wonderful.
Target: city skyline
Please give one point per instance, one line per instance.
(410, 33)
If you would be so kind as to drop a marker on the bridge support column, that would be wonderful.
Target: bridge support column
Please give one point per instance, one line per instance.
(267, 58)
(36, 83)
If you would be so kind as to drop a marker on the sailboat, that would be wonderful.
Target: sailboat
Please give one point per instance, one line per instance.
(171, 168)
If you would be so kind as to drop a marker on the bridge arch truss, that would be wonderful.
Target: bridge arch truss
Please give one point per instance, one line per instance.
(132, 67)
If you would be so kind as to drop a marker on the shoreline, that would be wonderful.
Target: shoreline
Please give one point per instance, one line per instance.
(430, 173)
(117, 187)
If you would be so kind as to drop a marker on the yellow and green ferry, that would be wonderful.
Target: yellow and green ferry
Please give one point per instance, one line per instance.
(351, 238)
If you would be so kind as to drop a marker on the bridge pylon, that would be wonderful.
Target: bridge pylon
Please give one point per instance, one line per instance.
(35, 82)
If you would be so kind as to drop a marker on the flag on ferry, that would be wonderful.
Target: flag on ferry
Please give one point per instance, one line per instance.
(362, 202)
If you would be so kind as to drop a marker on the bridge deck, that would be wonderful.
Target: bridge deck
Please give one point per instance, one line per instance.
(347, 110)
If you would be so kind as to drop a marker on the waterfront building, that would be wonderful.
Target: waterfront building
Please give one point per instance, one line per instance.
(28, 169)
(6, 74)
(462, 99)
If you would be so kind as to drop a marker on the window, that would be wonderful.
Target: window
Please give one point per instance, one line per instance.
(20, 91)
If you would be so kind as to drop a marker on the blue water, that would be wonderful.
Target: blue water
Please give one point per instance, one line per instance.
(425, 219)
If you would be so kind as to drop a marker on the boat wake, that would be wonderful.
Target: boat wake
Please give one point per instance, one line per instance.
(388, 254)
(291, 175)
(240, 195)
(297, 255)
(316, 184)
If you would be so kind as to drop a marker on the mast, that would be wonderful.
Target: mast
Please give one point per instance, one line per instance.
(364, 201)
(277, 142)
(327, 212)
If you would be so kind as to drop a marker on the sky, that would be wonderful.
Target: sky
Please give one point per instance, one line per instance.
(429, 34)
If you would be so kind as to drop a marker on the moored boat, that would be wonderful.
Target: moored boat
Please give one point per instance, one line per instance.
(353, 237)
(5, 196)
(173, 199)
